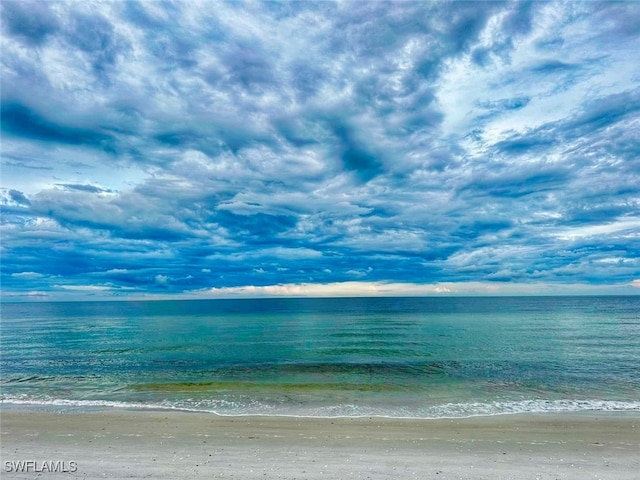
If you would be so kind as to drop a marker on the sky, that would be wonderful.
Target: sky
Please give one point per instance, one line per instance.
(209, 149)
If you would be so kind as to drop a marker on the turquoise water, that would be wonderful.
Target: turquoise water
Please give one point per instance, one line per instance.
(397, 357)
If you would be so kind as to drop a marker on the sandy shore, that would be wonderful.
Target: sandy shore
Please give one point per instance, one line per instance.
(157, 444)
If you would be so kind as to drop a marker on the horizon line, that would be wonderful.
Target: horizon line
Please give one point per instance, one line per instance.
(88, 293)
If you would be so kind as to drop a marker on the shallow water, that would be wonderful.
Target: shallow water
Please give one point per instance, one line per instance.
(399, 357)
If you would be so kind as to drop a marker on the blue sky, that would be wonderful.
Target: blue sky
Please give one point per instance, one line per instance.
(210, 149)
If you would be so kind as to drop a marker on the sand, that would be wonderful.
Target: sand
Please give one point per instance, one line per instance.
(121, 444)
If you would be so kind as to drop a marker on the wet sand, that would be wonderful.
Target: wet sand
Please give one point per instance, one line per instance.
(121, 444)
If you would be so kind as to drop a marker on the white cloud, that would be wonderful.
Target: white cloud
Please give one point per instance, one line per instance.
(375, 289)
(27, 275)
(625, 226)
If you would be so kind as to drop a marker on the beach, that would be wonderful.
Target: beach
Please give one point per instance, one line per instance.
(122, 444)
(378, 388)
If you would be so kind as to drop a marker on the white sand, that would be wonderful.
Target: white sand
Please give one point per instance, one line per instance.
(174, 445)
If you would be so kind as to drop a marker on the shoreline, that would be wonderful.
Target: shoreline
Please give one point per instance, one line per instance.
(75, 409)
(123, 443)
(445, 412)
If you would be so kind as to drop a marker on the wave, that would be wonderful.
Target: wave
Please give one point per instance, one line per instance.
(227, 408)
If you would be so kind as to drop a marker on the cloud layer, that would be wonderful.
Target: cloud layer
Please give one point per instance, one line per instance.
(207, 148)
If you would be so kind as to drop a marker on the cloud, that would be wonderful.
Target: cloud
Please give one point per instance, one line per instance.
(23, 122)
(27, 275)
(84, 188)
(31, 22)
(159, 148)
(305, 290)
(371, 289)
(14, 198)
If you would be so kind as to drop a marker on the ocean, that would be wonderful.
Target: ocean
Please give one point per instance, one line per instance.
(341, 357)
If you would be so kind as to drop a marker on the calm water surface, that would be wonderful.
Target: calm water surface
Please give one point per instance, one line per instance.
(402, 357)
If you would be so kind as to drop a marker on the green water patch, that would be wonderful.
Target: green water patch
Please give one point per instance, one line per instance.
(239, 386)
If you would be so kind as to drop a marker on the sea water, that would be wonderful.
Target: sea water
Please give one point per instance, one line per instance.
(395, 357)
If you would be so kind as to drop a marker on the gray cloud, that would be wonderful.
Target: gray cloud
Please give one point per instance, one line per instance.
(162, 147)
(21, 121)
(30, 21)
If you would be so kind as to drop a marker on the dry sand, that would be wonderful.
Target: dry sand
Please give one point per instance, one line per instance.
(175, 445)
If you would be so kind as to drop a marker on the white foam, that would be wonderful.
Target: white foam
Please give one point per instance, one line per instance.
(447, 410)
(530, 406)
